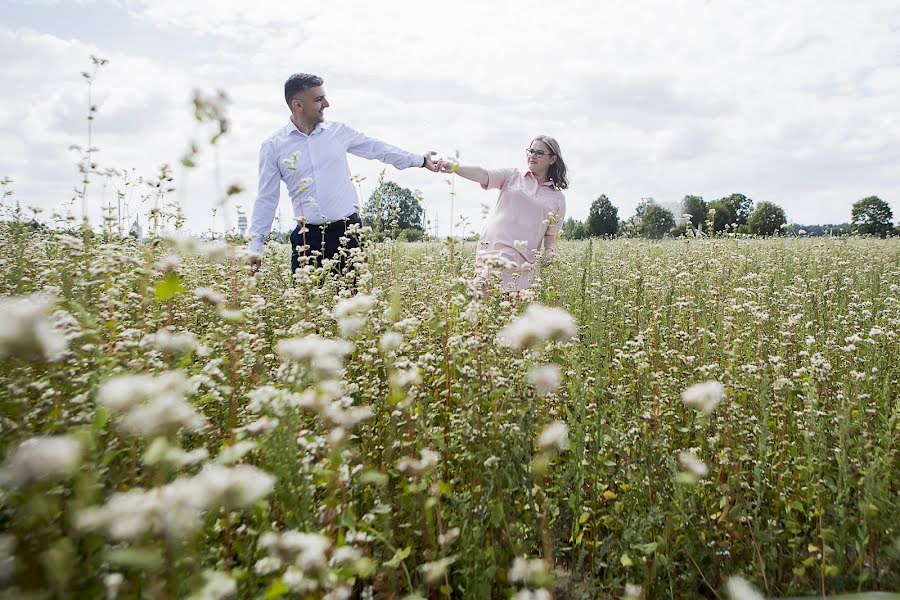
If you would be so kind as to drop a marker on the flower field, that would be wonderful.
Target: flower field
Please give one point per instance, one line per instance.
(693, 418)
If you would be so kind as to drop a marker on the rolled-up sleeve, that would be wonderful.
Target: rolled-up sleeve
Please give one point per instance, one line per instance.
(266, 198)
(363, 146)
(497, 178)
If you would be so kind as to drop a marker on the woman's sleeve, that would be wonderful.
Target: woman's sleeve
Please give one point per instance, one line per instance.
(497, 178)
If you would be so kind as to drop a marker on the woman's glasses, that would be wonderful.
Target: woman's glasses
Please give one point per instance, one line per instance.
(537, 153)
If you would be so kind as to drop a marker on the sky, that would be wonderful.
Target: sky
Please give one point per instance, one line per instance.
(796, 103)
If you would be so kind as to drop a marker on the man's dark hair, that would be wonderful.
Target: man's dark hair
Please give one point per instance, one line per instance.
(300, 82)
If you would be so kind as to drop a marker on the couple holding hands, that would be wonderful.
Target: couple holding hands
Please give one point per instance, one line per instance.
(310, 155)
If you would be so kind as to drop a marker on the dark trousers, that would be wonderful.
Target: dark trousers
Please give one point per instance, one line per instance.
(324, 241)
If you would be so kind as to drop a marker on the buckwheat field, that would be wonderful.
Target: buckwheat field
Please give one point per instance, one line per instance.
(692, 418)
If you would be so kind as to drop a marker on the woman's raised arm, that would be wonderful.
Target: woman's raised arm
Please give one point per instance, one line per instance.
(476, 174)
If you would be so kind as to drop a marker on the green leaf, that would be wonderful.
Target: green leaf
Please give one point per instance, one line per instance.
(168, 287)
(626, 560)
(399, 557)
(135, 558)
(277, 590)
(648, 549)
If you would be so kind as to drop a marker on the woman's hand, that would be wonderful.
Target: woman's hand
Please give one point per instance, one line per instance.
(446, 166)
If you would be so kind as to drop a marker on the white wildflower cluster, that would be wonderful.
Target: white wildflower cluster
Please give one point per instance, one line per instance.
(324, 356)
(544, 378)
(390, 341)
(705, 397)
(26, 330)
(555, 436)
(739, 588)
(350, 313)
(217, 586)
(161, 451)
(692, 465)
(151, 404)
(173, 342)
(209, 296)
(40, 459)
(306, 552)
(537, 325)
(530, 572)
(176, 509)
(419, 466)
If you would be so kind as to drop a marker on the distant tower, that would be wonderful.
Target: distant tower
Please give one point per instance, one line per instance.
(242, 224)
(136, 229)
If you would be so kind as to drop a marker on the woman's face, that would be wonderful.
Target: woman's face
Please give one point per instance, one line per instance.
(539, 157)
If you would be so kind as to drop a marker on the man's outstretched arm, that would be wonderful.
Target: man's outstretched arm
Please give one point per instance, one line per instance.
(266, 199)
(359, 144)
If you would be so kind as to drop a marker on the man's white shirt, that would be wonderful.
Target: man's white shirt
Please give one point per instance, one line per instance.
(315, 170)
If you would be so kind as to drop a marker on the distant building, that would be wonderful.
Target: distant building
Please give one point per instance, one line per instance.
(136, 229)
(242, 224)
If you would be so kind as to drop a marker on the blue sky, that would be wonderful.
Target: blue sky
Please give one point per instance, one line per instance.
(797, 103)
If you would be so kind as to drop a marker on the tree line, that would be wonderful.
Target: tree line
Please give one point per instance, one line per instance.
(735, 213)
(395, 211)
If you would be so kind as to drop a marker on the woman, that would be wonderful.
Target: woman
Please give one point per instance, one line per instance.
(529, 211)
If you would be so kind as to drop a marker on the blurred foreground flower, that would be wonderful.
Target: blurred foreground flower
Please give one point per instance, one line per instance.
(26, 330)
(41, 459)
(544, 378)
(555, 435)
(704, 397)
(536, 325)
(740, 589)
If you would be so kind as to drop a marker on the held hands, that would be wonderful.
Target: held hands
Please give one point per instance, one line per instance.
(446, 166)
(429, 161)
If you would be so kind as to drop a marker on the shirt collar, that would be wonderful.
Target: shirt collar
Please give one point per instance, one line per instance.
(548, 183)
(291, 128)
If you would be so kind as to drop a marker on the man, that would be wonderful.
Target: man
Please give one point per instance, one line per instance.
(309, 155)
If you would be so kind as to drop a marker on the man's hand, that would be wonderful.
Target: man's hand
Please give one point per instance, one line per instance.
(429, 163)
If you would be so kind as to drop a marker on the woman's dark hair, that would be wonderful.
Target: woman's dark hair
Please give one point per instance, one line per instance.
(299, 82)
(557, 171)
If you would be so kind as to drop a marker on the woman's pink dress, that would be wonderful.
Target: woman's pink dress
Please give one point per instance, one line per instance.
(527, 215)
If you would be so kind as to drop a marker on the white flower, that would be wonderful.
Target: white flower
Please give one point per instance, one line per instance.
(170, 342)
(209, 295)
(447, 538)
(435, 571)
(41, 459)
(323, 355)
(112, 582)
(544, 378)
(219, 586)
(403, 378)
(345, 555)
(235, 487)
(168, 263)
(163, 415)
(390, 341)
(124, 392)
(306, 551)
(741, 589)
(692, 464)
(632, 592)
(527, 594)
(350, 326)
(358, 304)
(342, 592)
(231, 454)
(554, 435)
(704, 396)
(416, 467)
(26, 330)
(267, 565)
(538, 324)
(261, 426)
(298, 582)
(524, 570)
(176, 509)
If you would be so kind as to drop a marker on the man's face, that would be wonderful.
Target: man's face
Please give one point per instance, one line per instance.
(311, 104)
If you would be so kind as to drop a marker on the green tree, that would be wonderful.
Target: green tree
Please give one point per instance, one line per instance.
(740, 206)
(766, 219)
(721, 215)
(697, 208)
(872, 216)
(652, 220)
(393, 208)
(574, 230)
(603, 218)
